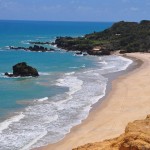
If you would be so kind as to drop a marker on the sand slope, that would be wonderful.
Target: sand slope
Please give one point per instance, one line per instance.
(136, 137)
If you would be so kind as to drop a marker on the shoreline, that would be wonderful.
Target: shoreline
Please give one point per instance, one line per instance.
(136, 64)
(71, 140)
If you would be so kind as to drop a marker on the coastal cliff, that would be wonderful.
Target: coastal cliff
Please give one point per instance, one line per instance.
(136, 137)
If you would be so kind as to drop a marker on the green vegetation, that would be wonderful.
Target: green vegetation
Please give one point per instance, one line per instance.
(127, 36)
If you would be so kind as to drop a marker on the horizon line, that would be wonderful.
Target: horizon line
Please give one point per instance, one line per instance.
(73, 20)
(56, 20)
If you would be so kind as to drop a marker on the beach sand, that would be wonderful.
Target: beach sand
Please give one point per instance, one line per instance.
(128, 100)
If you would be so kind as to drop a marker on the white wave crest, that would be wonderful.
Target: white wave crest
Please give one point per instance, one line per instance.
(7, 47)
(73, 67)
(69, 73)
(28, 146)
(42, 99)
(25, 42)
(103, 62)
(128, 62)
(4, 125)
(44, 73)
(72, 82)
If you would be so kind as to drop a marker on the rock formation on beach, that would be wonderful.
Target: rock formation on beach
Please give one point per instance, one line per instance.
(136, 137)
(22, 70)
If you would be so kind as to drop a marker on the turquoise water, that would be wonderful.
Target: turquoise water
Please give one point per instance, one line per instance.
(38, 111)
(50, 66)
(19, 33)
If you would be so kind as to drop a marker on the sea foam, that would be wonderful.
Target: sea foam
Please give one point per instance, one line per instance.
(4, 125)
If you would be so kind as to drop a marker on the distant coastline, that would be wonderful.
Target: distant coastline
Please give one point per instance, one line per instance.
(124, 36)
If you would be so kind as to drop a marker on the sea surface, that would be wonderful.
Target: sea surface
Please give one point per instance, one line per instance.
(38, 111)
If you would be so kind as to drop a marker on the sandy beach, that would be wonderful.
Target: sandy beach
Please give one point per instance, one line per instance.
(128, 100)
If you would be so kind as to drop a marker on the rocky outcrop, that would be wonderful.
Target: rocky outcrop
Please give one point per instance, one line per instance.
(136, 137)
(99, 52)
(22, 70)
(123, 51)
(127, 36)
(41, 43)
(34, 48)
(79, 44)
(73, 44)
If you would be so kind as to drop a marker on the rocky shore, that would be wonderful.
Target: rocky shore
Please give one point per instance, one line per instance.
(136, 137)
(34, 48)
(41, 43)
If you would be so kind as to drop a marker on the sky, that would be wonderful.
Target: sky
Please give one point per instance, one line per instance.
(75, 10)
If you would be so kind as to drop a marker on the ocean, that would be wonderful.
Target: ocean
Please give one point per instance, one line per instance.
(38, 111)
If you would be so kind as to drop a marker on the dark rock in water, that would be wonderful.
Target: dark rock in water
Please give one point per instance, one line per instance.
(51, 49)
(17, 48)
(35, 48)
(53, 43)
(79, 53)
(85, 54)
(23, 70)
(40, 43)
(8, 74)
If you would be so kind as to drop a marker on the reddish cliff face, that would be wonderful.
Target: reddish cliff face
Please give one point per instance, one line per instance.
(136, 137)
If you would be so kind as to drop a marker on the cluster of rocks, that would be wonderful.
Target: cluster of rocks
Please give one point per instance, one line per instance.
(40, 43)
(81, 53)
(62, 42)
(34, 48)
(99, 52)
(23, 70)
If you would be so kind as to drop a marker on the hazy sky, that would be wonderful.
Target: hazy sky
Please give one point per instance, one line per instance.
(75, 10)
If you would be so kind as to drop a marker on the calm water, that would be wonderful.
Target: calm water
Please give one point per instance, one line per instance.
(38, 111)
